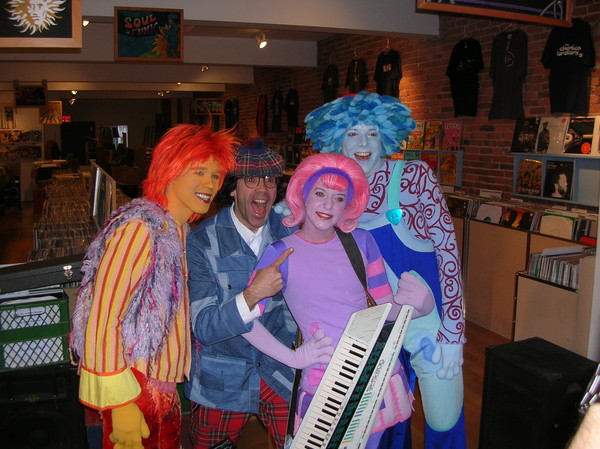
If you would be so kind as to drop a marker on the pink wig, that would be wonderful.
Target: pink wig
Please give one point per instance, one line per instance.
(181, 146)
(310, 165)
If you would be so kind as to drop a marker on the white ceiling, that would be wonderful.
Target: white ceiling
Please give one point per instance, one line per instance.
(218, 35)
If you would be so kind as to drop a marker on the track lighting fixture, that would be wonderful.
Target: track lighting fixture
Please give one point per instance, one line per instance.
(204, 68)
(85, 22)
(261, 39)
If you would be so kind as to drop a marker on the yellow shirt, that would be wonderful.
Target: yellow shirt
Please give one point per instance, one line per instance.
(106, 378)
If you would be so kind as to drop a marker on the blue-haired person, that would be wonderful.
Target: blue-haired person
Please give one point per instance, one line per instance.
(409, 219)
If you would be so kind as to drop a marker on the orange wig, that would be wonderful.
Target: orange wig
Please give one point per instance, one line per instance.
(182, 146)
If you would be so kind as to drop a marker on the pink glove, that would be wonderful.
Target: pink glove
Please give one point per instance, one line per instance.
(413, 291)
(318, 349)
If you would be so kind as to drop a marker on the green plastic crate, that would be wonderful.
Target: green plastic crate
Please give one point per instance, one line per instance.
(34, 332)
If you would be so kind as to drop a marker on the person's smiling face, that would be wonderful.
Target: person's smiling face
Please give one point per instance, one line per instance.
(324, 209)
(363, 144)
(193, 190)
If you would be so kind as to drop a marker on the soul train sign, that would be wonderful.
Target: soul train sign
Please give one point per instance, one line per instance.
(140, 26)
(148, 35)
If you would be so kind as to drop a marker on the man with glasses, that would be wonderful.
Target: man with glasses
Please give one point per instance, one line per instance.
(230, 380)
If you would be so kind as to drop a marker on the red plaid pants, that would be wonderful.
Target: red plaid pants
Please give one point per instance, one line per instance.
(209, 426)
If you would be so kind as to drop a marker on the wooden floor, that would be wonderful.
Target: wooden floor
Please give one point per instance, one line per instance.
(16, 240)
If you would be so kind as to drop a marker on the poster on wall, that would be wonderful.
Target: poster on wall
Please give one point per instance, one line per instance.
(211, 106)
(549, 12)
(41, 24)
(51, 114)
(30, 96)
(149, 35)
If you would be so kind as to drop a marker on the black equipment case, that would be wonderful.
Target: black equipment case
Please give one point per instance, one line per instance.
(63, 271)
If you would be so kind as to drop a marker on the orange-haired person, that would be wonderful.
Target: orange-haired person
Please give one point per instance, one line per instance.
(130, 326)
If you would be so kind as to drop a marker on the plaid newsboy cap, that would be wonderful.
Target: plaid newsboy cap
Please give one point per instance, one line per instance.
(253, 158)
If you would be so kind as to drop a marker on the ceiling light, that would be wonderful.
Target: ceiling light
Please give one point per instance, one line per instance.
(204, 68)
(72, 101)
(261, 39)
(74, 92)
(179, 83)
(86, 22)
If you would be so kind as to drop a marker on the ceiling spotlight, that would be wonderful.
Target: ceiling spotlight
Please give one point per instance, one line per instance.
(179, 83)
(72, 101)
(160, 94)
(85, 22)
(74, 92)
(204, 68)
(261, 39)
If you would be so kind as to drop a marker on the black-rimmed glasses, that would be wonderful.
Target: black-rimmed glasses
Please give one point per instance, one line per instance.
(253, 181)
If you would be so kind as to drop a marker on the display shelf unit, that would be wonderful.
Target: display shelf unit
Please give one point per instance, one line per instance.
(493, 254)
(555, 313)
(586, 177)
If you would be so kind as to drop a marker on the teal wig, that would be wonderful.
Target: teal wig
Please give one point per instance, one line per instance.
(327, 125)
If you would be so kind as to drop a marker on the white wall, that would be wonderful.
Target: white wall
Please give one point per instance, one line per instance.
(336, 16)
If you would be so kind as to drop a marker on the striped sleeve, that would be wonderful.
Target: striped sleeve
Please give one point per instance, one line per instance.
(379, 286)
(104, 369)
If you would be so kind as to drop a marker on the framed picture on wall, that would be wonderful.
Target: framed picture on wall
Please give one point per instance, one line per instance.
(549, 12)
(36, 24)
(51, 114)
(210, 106)
(30, 96)
(149, 35)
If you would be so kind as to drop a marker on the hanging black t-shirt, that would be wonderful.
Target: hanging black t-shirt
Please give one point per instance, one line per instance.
(570, 56)
(463, 70)
(331, 81)
(232, 110)
(261, 115)
(356, 76)
(508, 70)
(277, 107)
(388, 73)
(292, 107)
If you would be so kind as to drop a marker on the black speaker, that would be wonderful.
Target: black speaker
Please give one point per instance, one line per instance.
(39, 409)
(531, 392)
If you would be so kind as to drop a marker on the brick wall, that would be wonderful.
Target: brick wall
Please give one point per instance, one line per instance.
(425, 88)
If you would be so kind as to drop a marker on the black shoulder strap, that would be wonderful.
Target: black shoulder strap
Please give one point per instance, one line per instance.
(353, 254)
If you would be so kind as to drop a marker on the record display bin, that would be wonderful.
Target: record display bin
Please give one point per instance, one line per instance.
(34, 331)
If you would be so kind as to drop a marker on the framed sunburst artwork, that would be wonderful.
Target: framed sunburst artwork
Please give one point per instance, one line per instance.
(41, 24)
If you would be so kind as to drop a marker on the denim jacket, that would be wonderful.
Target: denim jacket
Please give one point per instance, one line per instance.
(226, 369)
